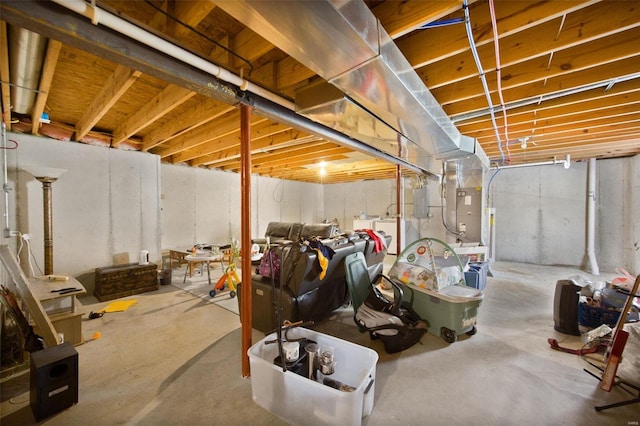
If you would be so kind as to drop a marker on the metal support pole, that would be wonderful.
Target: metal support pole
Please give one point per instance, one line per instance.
(400, 209)
(48, 223)
(245, 211)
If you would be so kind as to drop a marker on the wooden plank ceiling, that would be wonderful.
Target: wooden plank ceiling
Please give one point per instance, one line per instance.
(567, 83)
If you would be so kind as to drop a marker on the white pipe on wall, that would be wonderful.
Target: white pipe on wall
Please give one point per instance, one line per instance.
(590, 255)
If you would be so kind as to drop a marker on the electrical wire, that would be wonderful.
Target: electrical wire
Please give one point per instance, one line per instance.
(489, 186)
(441, 23)
(33, 274)
(483, 79)
(443, 193)
(496, 45)
(15, 145)
(19, 247)
(201, 34)
(29, 257)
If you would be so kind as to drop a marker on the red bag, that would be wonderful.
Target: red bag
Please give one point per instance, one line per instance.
(270, 258)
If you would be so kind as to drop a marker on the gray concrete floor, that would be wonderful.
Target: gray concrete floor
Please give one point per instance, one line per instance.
(175, 358)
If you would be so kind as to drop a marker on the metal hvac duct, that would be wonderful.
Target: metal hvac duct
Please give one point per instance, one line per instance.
(343, 42)
(26, 51)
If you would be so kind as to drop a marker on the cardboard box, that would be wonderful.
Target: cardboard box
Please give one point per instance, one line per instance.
(475, 253)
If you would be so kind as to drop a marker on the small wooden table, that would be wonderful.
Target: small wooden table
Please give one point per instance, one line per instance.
(177, 256)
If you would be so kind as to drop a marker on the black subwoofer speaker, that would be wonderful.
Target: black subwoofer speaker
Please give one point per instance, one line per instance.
(54, 380)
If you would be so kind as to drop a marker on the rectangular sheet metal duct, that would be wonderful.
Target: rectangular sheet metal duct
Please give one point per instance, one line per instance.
(343, 43)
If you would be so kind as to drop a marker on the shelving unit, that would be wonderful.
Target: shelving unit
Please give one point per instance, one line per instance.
(61, 308)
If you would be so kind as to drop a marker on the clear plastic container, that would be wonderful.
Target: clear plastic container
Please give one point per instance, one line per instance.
(300, 400)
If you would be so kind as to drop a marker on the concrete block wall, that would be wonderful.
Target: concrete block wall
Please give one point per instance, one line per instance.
(113, 201)
(632, 252)
(106, 203)
(203, 206)
(345, 201)
(619, 212)
(541, 214)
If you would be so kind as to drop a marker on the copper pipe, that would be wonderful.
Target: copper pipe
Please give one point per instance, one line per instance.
(245, 212)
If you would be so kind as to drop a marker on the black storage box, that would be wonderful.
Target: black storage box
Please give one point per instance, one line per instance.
(263, 313)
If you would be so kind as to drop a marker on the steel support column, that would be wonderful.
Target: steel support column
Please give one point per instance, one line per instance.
(399, 209)
(245, 212)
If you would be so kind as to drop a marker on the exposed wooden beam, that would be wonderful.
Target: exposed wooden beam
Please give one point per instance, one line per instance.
(4, 75)
(431, 45)
(552, 85)
(230, 157)
(577, 152)
(399, 18)
(190, 13)
(614, 114)
(261, 130)
(618, 47)
(46, 76)
(162, 103)
(115, 86)
(182, 148)
(250, 46)
(568, 105)
(604, 31)
(297, 157)
(200, 113)
(580, 137)
(277, 142)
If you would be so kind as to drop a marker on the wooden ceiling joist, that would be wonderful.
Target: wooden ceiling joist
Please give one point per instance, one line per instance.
(569, 80)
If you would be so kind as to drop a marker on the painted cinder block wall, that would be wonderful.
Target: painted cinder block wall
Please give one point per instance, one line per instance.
(114, 201)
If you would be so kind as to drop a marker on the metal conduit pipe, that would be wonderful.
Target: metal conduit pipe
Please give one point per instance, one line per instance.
(268, 103)
(5, 182)
(566, 163)
(483, 79)
(548, 97)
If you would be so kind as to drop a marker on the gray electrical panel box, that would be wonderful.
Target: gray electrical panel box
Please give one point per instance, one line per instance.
(469, 213)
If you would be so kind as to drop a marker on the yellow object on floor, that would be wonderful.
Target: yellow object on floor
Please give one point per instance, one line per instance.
(119, 306)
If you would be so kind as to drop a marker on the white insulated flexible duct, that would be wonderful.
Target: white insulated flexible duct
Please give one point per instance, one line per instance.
(99, 16)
